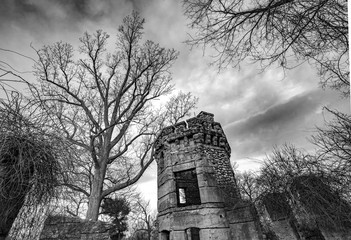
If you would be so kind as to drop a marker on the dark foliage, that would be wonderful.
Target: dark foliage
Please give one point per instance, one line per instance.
(117, 209)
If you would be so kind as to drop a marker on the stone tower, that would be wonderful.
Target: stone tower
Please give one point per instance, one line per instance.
(197, 193)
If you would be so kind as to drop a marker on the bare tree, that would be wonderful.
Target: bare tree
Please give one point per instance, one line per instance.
(74, 203)
(143, 218)
(315, 196)
(286, 32)
(334, 147)
(80, 171)
(283, 165)
(180, 106)
(102, 103)
(247, 185)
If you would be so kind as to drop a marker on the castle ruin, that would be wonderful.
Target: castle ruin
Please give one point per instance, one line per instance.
(197, 193)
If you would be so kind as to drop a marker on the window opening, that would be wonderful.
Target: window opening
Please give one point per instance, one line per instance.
(192, 233)
(165, 235)
(187, 188)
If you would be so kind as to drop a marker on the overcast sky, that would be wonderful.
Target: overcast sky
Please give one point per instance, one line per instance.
(257, 110)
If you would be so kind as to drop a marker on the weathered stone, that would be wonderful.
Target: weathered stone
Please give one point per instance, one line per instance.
(283, 230)
(206, 179)
(210, 195)
(166, 188)
(70, 228)
(183, 166)
(199, 148)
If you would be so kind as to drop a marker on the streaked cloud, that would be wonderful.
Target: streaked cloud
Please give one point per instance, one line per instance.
(291, 121)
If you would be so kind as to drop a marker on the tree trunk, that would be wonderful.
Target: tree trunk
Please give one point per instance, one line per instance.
(95, 194)
(148, 229)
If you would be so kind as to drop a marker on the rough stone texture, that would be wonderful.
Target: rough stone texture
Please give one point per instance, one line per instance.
(336, 236)
(244, 231)
(60, 227)
(200, 144)
(283, 230)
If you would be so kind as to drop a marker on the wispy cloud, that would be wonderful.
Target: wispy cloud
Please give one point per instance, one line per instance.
(291, 121)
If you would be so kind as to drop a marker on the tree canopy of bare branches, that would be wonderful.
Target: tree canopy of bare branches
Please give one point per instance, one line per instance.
(142, 219)
(316, 195)
(334, 143)
(334, 147)
(286, 32)
(179, 106)
(101, 101)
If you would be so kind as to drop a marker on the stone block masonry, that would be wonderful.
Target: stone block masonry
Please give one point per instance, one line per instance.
(198, 197)
(70, 228)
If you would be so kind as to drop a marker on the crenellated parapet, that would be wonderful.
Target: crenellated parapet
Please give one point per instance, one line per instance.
(201, 129)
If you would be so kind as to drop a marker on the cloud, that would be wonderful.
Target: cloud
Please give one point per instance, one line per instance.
(232, 95)
(291, 121)
(61, 10)
(43, 21)
(18, 10)
(276, 117)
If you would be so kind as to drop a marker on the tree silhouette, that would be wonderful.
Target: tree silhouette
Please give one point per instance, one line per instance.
(117, 209)
(286, 32)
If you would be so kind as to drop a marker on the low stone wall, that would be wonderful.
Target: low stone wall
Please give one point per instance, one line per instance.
(283, 230)
(243, 222)
(69, 228)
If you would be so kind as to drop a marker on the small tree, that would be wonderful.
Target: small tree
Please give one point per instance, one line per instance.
(117, 209)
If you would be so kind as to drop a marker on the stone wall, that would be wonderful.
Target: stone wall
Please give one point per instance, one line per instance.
(336, 235)
(69, 228)
(218, 159)
(199, 145)
(283, 229)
